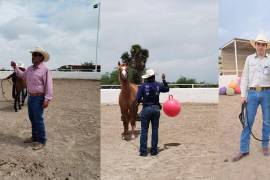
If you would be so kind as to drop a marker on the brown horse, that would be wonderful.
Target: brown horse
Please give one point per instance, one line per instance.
(20, 93)
(127, 101)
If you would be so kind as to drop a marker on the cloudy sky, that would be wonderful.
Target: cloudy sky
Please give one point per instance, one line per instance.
(181, 35)
(243, 19)
(65, 28)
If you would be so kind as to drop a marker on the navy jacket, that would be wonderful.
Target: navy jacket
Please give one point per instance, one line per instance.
(148, 92)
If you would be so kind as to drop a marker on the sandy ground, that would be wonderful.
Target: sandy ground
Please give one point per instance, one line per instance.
(188, 143)
(253, 167)
(72, 122)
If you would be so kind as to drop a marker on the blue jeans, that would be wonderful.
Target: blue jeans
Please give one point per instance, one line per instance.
(35, 112)
(255, 99)
(149, 113)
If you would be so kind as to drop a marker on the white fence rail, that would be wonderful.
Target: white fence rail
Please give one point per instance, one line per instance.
(196, 95)
(64, 75)
(171, 85)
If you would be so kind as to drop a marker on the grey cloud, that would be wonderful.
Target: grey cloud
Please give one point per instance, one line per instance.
(173, 31)
(66, 29)
(21, 26)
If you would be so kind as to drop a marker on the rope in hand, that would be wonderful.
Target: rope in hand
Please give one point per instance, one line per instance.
(243, 117)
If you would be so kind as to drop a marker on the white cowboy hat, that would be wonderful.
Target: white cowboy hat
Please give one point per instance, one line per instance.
(262, 39)
(148, 73)
(43, 52)
(20, 64)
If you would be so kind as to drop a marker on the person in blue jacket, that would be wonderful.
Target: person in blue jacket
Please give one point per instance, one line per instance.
(148, 95)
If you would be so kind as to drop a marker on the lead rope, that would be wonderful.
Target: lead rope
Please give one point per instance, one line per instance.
(243, 116)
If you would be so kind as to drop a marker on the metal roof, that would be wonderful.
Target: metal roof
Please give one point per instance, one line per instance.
(241, 44)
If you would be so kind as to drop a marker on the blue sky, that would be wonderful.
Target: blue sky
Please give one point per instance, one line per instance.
(181, 35)
(65, 28)
(243, 19)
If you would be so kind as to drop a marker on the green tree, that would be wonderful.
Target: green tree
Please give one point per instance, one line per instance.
(110, 78)
(185, 80)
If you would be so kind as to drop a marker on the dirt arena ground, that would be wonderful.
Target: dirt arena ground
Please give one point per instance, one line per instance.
(188, 145)
(253, 167)
(72, 122)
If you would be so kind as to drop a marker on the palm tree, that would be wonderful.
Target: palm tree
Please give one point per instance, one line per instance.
(136, 60)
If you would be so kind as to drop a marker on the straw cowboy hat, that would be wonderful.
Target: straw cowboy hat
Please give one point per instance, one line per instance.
(261, 38)
(43, 52)
(148, 73)
(20, 65)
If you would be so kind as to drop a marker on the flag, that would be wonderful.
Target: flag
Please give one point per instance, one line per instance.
(95, 6)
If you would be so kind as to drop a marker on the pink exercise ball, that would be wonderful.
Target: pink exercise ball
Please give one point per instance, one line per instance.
(237, 90)
(171, 107)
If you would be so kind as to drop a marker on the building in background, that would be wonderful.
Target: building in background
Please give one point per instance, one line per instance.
(80, 68)
(232, 58)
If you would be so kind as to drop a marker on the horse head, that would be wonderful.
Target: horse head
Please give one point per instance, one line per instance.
(123, 71)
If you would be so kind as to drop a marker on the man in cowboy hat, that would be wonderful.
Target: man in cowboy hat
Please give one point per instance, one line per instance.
(148, 94)
(39, 86)
(255, 91)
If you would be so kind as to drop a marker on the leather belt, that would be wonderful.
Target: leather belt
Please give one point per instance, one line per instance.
(36, 94)
(259, 89)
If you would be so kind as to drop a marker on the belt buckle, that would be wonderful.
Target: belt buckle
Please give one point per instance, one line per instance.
(258, 89)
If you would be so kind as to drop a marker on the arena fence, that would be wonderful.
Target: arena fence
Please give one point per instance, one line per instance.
(193, 95)
(170, 85)
(64, 75)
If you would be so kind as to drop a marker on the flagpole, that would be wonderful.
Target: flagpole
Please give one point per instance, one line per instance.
(97, 36)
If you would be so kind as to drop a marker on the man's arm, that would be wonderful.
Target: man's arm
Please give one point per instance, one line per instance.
(244, 81)
(17, 70)
(9, 76)
(139, 95)
(48, 88)
(164, 87)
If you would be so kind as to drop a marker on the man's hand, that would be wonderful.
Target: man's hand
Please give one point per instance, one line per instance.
(163, 76)
(45, 104)
(13, 64)
(243, 100)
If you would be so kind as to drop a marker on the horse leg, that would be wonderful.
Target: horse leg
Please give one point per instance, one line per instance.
(133, 126)
(19, 99)
(13, 91)
(15, 103)
(133, 116)
(125, 124)
(24, 96)
(125, 134)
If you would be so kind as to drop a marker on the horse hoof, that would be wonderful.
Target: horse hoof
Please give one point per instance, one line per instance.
(132, 136)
